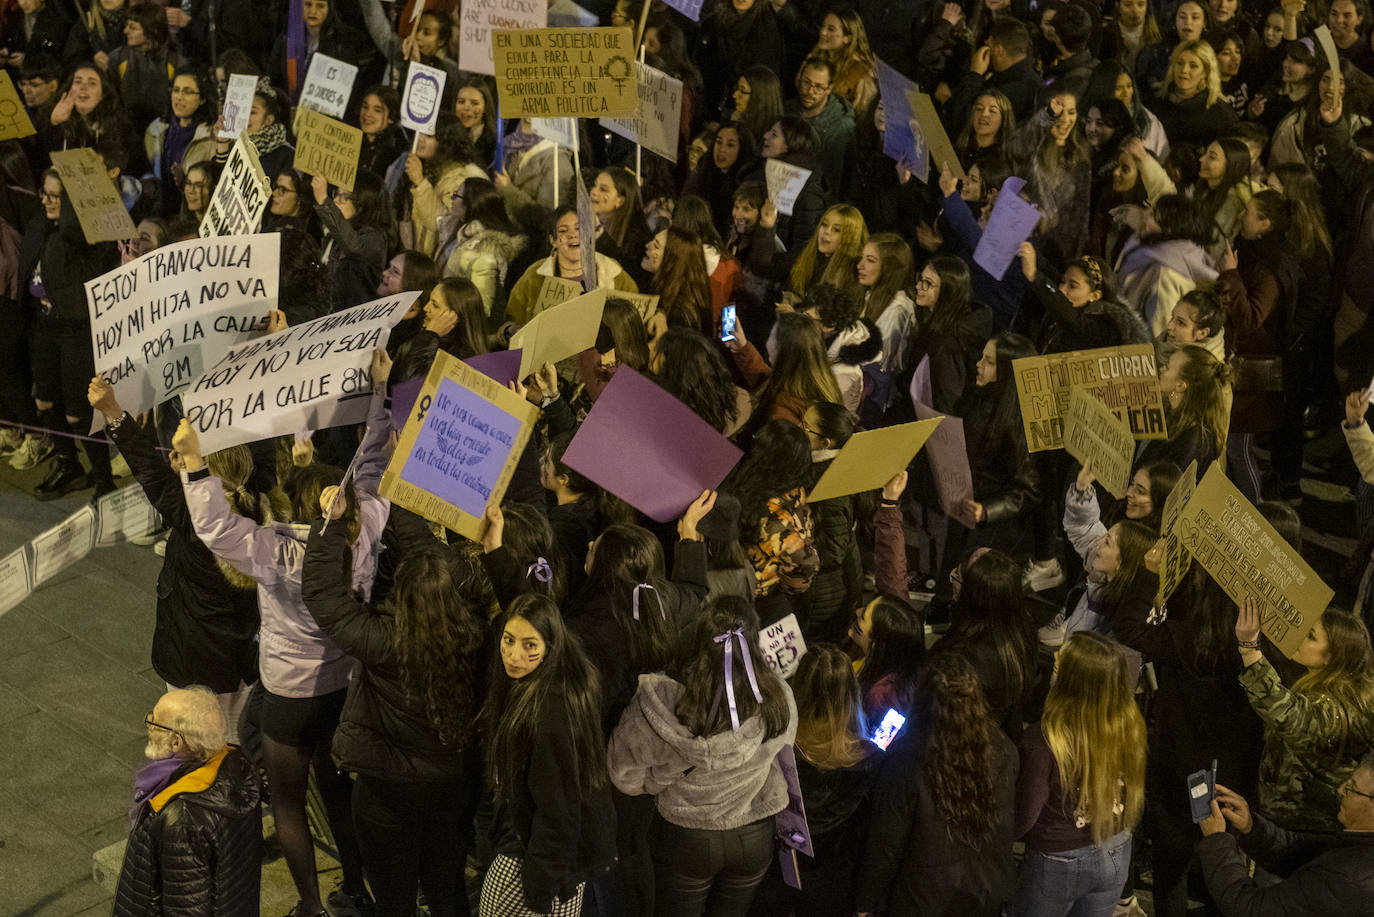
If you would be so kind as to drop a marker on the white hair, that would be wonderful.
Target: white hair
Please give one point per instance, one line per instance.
(197, 717)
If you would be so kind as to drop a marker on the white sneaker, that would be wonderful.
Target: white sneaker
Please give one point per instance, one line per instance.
(33, 451)
(11, 438)
(1042, 575)
(1052, 634)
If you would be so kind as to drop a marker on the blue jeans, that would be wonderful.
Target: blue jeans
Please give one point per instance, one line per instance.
(1086, 882)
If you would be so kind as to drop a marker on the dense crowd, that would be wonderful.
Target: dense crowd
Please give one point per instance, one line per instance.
(573, 713)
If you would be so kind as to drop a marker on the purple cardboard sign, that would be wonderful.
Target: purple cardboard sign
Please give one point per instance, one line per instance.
(648, 448)
(461, 448)
(902, 138)
(790, 824)
(502, 366)
(1011, 223)
(948, 455)
(920, 383)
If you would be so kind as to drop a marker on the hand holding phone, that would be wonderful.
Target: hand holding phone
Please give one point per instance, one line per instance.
(728, 319)
(887, 729)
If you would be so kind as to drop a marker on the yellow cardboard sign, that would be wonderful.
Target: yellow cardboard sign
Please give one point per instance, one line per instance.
(554, 292)
(14, 118)
(1125, 379)
(933, 132)
(563, 331)
(1248, 559)
(325, 146)
(871, 458)
(459, 447)
(97, 203)
(1092, 433)
(560, 73)
(1177, 559)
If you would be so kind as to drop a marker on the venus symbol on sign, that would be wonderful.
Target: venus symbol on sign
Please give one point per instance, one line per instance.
(424, 406)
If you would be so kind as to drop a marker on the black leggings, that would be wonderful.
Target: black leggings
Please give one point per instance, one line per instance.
(710, 872)
(414, 834)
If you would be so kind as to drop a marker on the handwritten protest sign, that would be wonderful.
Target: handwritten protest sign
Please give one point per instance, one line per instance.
(785, 183)
(327, 147)
(657, 122)
(328, 85)
(790, 823)
(420, 103)
(562, 131)
(587, 224)
(648, 448)
(157, 322)
(98, 205)
(501, 366)
(1249, 559)
(481, 16)
(63, 544)
(1094, 433)
(554, 292)
(902, 139)
(947, 452)
(15, 123)
(241, 195)
(16, 579)
(238, 104)
(1177, 558)
(932, 131)
(1125, 379)
(783, 645)
(309, 377)
(560, 332)
(123, 514)
(582, 73)
(1012, 221)
(646, 304)
(871, 458)
(459, 447)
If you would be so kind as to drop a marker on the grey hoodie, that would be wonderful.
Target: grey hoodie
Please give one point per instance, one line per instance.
(713, 783)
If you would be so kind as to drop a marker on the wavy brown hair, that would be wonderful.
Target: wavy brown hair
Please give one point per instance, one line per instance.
(439, 633)
(957, 738)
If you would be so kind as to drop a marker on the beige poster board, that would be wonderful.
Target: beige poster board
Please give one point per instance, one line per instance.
(871, 458)
(658, 120)
(552, 73)
(1092, 433)
(459, 447)
(933, 132)
(554, 292)
(1248, 559)
(325, 146)
(241, 196)
(1177, 559)
(15, 123)
(1125, 379)
(560, 332)
(97, 203)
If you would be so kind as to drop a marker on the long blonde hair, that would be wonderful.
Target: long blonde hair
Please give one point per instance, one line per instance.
(857, 52)
(1347, 678)
(1096, 734)
(1207, 56)
(830, 714)
(233, 467)
(1205, 401)
(840, 269)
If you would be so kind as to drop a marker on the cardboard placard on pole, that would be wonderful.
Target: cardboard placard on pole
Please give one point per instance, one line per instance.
(326, 146)
(420, 103)
(15, 123)
(1125, 378)
(1249, 559)
(581, 73)
(459, 447)
(932, 130)
(1177, 558)
(238, 104)
(1093, 433)
(240, 197)
(657, 122)
(479, 17)
(97, 203)
(328, 85)
(871, 458)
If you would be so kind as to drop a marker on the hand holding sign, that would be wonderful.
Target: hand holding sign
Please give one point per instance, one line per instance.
(1248, 621)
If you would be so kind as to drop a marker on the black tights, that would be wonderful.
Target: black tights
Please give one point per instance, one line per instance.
(288, 775)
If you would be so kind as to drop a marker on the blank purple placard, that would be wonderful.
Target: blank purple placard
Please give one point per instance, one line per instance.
(462, 448)
(501, 366)
(648, 448)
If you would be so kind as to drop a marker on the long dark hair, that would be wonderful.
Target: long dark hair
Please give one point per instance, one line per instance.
(700, 669)
(990, 609)
(956, 738)
(528, 539)
(765, 101)
(485, 205)
(439, 632)
(778, 462)
(373, 206)
(952, 302)
(1134, 541)
(630, 211)
(693, 371)
(1209, 200)
(897, 643)
(628, 558)
(453, 145)
(564, 686)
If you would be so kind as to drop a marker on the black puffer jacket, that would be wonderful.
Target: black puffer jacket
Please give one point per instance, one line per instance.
(207, 627)
(835, 592)
(385, 729)
(195, 849)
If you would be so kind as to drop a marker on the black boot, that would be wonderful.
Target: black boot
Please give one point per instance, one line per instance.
(66, 477)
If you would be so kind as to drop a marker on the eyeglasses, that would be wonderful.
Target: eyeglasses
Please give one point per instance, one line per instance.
(283, 189)
(807, 86)
(198, 185)
(149, 721)
(1349, 787)
(184, 91)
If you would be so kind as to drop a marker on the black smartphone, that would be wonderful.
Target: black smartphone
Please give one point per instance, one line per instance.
(727, 323)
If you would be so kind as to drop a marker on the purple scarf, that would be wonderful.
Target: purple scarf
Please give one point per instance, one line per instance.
(152, 778)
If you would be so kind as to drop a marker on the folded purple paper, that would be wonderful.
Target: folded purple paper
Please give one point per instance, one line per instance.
(1012, 221)
(501, 366)
(648, 448)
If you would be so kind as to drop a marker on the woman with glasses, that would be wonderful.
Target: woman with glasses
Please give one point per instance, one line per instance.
(1315, 731)
(182, 136)
(201, 179)
(289, 206)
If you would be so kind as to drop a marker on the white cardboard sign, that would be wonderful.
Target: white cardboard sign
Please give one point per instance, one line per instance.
(124, 514)
(785, 183)
(63, 544)
(241, 195)
(481, 16)
(423, 93)
(783, 645)
(16, 579)
(657, 121)
(328, 84)
(238, 104)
